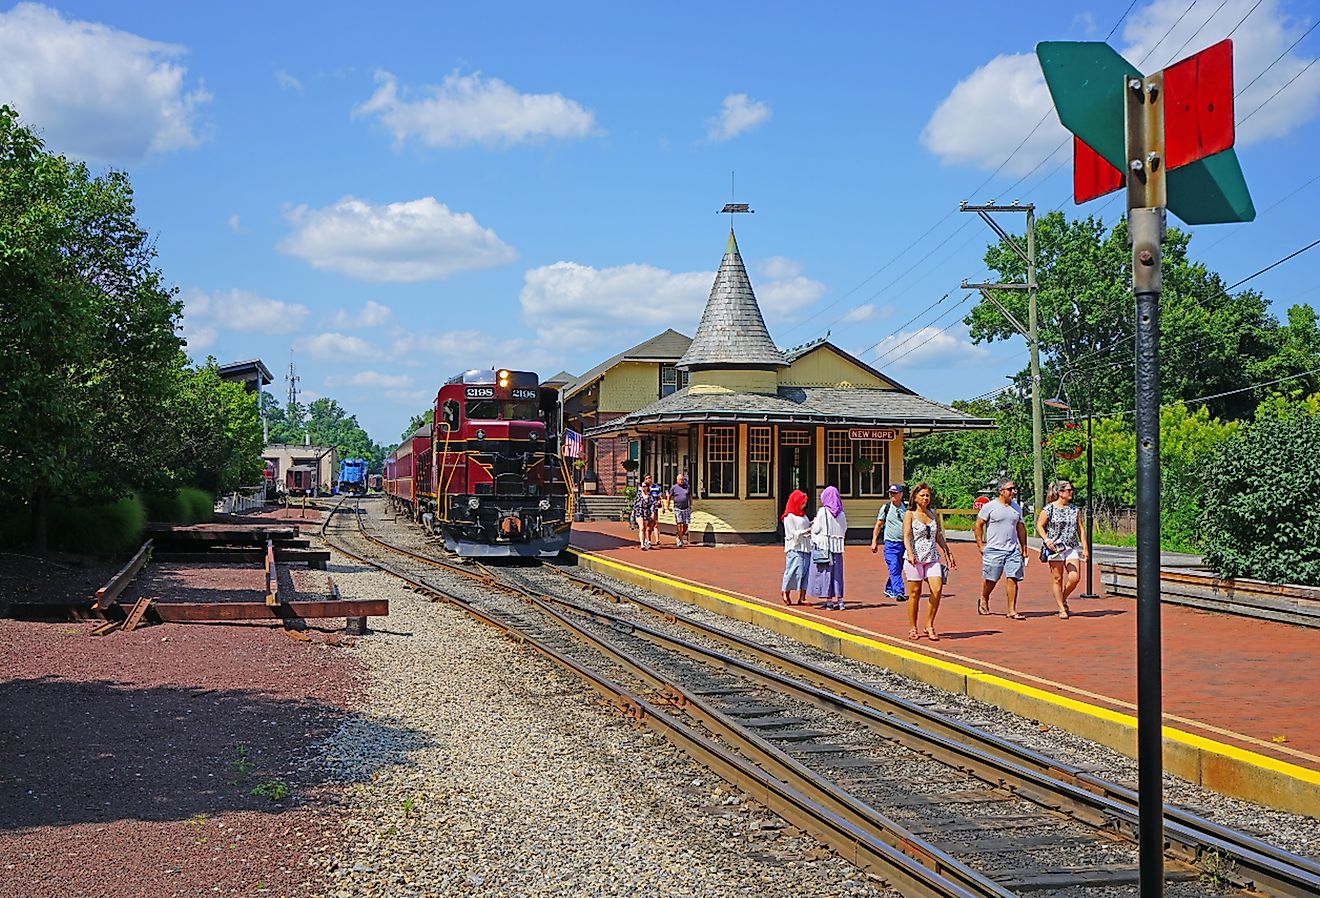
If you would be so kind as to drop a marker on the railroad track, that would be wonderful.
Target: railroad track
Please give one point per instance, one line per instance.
(964, 813)
(1284, 602)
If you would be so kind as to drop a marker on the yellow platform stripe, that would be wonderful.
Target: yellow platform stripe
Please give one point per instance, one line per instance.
(1240, 755)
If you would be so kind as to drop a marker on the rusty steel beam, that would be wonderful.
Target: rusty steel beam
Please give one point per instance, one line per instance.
(106, 595)
(181, 612)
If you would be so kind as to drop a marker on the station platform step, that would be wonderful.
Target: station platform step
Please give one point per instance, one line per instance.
(1241, 695)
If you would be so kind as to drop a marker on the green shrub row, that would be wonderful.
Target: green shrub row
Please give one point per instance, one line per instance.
(108, 529)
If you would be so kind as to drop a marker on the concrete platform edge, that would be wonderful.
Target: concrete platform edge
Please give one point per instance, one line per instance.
(1224, 768)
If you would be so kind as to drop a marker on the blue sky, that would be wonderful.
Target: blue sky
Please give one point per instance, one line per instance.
(389, 197)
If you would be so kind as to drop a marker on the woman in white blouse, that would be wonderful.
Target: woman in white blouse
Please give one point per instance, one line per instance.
(827, 533)
(797, 546)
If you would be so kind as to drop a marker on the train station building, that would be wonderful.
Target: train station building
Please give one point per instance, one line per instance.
(751, 423)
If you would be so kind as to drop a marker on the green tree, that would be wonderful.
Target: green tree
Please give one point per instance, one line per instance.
(87, 330)
(218, 432)
(1210, 341)
(1260, 519)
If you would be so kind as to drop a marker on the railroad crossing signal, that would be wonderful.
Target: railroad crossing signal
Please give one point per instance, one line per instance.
(1193, 106)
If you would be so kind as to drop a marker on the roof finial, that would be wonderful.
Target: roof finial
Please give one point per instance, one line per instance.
(732, 208)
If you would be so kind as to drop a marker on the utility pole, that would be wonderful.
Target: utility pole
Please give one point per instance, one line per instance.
(1029, 257)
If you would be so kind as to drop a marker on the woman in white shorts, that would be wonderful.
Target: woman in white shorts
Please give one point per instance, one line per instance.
(1059, 524)
(922, 539)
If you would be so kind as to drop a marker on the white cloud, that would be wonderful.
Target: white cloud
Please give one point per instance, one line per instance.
(926, 347)
(785, 291)
(199, 336)
(370, 380)
(373, 314)
(1262, 38)
(574, 306)
(235, 224)
(738, 113)
(864, 312)
(334, 346)
(418, 240)
(240, 310)
(93, 91)
(287, 81)
(467, 109)
(989, 112)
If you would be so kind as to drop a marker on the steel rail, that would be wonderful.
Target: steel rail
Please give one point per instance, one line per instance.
(1026, 773)
(1033, 775)
(911, 865)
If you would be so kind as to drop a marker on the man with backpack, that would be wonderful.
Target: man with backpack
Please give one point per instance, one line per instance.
(890, 522)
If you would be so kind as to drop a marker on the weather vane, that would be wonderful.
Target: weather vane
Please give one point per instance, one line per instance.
(731, 208)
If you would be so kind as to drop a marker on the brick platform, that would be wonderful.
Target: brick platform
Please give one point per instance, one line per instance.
(1237, 690)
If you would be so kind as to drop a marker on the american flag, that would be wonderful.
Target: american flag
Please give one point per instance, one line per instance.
(572, 444)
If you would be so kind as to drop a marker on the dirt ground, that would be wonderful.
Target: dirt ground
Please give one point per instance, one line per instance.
(166, 761)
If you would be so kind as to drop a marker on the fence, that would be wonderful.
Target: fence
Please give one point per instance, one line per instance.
(251, 499)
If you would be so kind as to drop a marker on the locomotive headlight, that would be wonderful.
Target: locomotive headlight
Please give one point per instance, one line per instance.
(544, 504)
(504, 378)
(474, 503)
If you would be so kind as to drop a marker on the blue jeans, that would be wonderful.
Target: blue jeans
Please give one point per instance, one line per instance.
(894, 561)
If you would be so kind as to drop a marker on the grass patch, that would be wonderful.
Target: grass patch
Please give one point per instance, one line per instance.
(102, 530)
(186, 506)
(271, 791)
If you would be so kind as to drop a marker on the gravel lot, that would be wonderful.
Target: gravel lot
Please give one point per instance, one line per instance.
(485, 770)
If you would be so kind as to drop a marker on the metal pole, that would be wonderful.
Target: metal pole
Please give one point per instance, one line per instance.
(1090, 496)
(1038, 468)
(1144, 124)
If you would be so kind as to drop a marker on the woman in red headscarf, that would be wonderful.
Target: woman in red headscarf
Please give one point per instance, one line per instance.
(797, 546)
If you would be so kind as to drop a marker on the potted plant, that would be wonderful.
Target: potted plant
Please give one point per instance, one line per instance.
(630, 465)
(864, 466)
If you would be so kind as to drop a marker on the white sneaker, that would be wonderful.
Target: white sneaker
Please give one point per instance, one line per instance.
(678, 543)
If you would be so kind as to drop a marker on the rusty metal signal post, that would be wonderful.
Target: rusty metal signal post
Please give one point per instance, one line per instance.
(1144, 123)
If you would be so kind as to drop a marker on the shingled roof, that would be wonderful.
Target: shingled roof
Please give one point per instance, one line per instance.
(799, 405)
(732, 333)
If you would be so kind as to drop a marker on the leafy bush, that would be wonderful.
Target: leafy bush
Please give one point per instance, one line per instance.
(199, 505)
(1261, 517)
(98, 529)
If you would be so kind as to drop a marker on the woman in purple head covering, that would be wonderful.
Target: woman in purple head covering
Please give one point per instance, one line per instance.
(827, 532)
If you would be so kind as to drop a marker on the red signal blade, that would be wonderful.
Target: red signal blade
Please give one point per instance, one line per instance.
(1198, 105)
(1092, 175)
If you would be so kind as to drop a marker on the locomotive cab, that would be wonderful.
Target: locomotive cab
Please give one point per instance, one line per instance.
(499, 486)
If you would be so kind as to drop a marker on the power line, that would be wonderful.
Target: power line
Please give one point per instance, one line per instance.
(1268, 383)
(1243, 19)
(1276, 62)
(1211, 18)
(1167, 33)
(1286, 85)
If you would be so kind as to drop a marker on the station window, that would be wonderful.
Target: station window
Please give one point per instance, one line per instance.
(839, 461)
(671, 380)
(758, 461)
(795, 438)
(668, 460)
(874, 481)
(721, 461)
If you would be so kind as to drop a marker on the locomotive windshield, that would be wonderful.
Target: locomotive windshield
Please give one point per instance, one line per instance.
(503, 410)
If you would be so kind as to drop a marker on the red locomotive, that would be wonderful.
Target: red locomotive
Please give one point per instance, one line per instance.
(488, 475)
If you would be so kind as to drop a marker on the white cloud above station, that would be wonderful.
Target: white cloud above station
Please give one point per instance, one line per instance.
(206, 314)
(469, 109)
(417, 240)
(95, 92)
(372, 314)
(987, 114)
(926, 347)
(739, 113)
(334, 346)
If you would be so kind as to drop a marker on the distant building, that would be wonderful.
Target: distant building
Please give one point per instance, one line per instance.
(252, 374)
(320, 458)
(750, 423)
(631, 380)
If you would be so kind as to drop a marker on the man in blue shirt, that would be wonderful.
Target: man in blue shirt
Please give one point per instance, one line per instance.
(890, 521)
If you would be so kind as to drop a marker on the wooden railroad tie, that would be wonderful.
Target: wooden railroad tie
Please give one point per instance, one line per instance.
(135, 615)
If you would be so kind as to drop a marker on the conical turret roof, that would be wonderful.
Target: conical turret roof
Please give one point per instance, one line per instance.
(732, 333)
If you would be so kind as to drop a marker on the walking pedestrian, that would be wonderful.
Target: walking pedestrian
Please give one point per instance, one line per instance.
(644, 510)
(827, 532)
(1002, 538)
(889, 522)
(1059, 524)
(923, 538)
(657, 496)
(797, 546)
(680, 502)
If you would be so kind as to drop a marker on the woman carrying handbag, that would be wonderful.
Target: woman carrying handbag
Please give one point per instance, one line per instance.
(827, 532)
(923, 538)
(1059, 524)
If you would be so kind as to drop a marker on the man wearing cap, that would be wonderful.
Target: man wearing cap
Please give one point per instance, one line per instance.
(890, 520)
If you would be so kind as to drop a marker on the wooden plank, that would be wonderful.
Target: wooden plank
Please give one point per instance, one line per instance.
(179, 612)
(135, 616)
(243, 555)
(272, 575)
(106, 595)
(107, 628)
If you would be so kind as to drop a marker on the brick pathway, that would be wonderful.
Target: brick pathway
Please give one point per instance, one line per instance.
(1252, 683)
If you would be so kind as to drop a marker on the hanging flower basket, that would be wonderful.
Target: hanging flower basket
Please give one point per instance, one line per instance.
(864, 465)
(630, 464)
(1064, 443)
